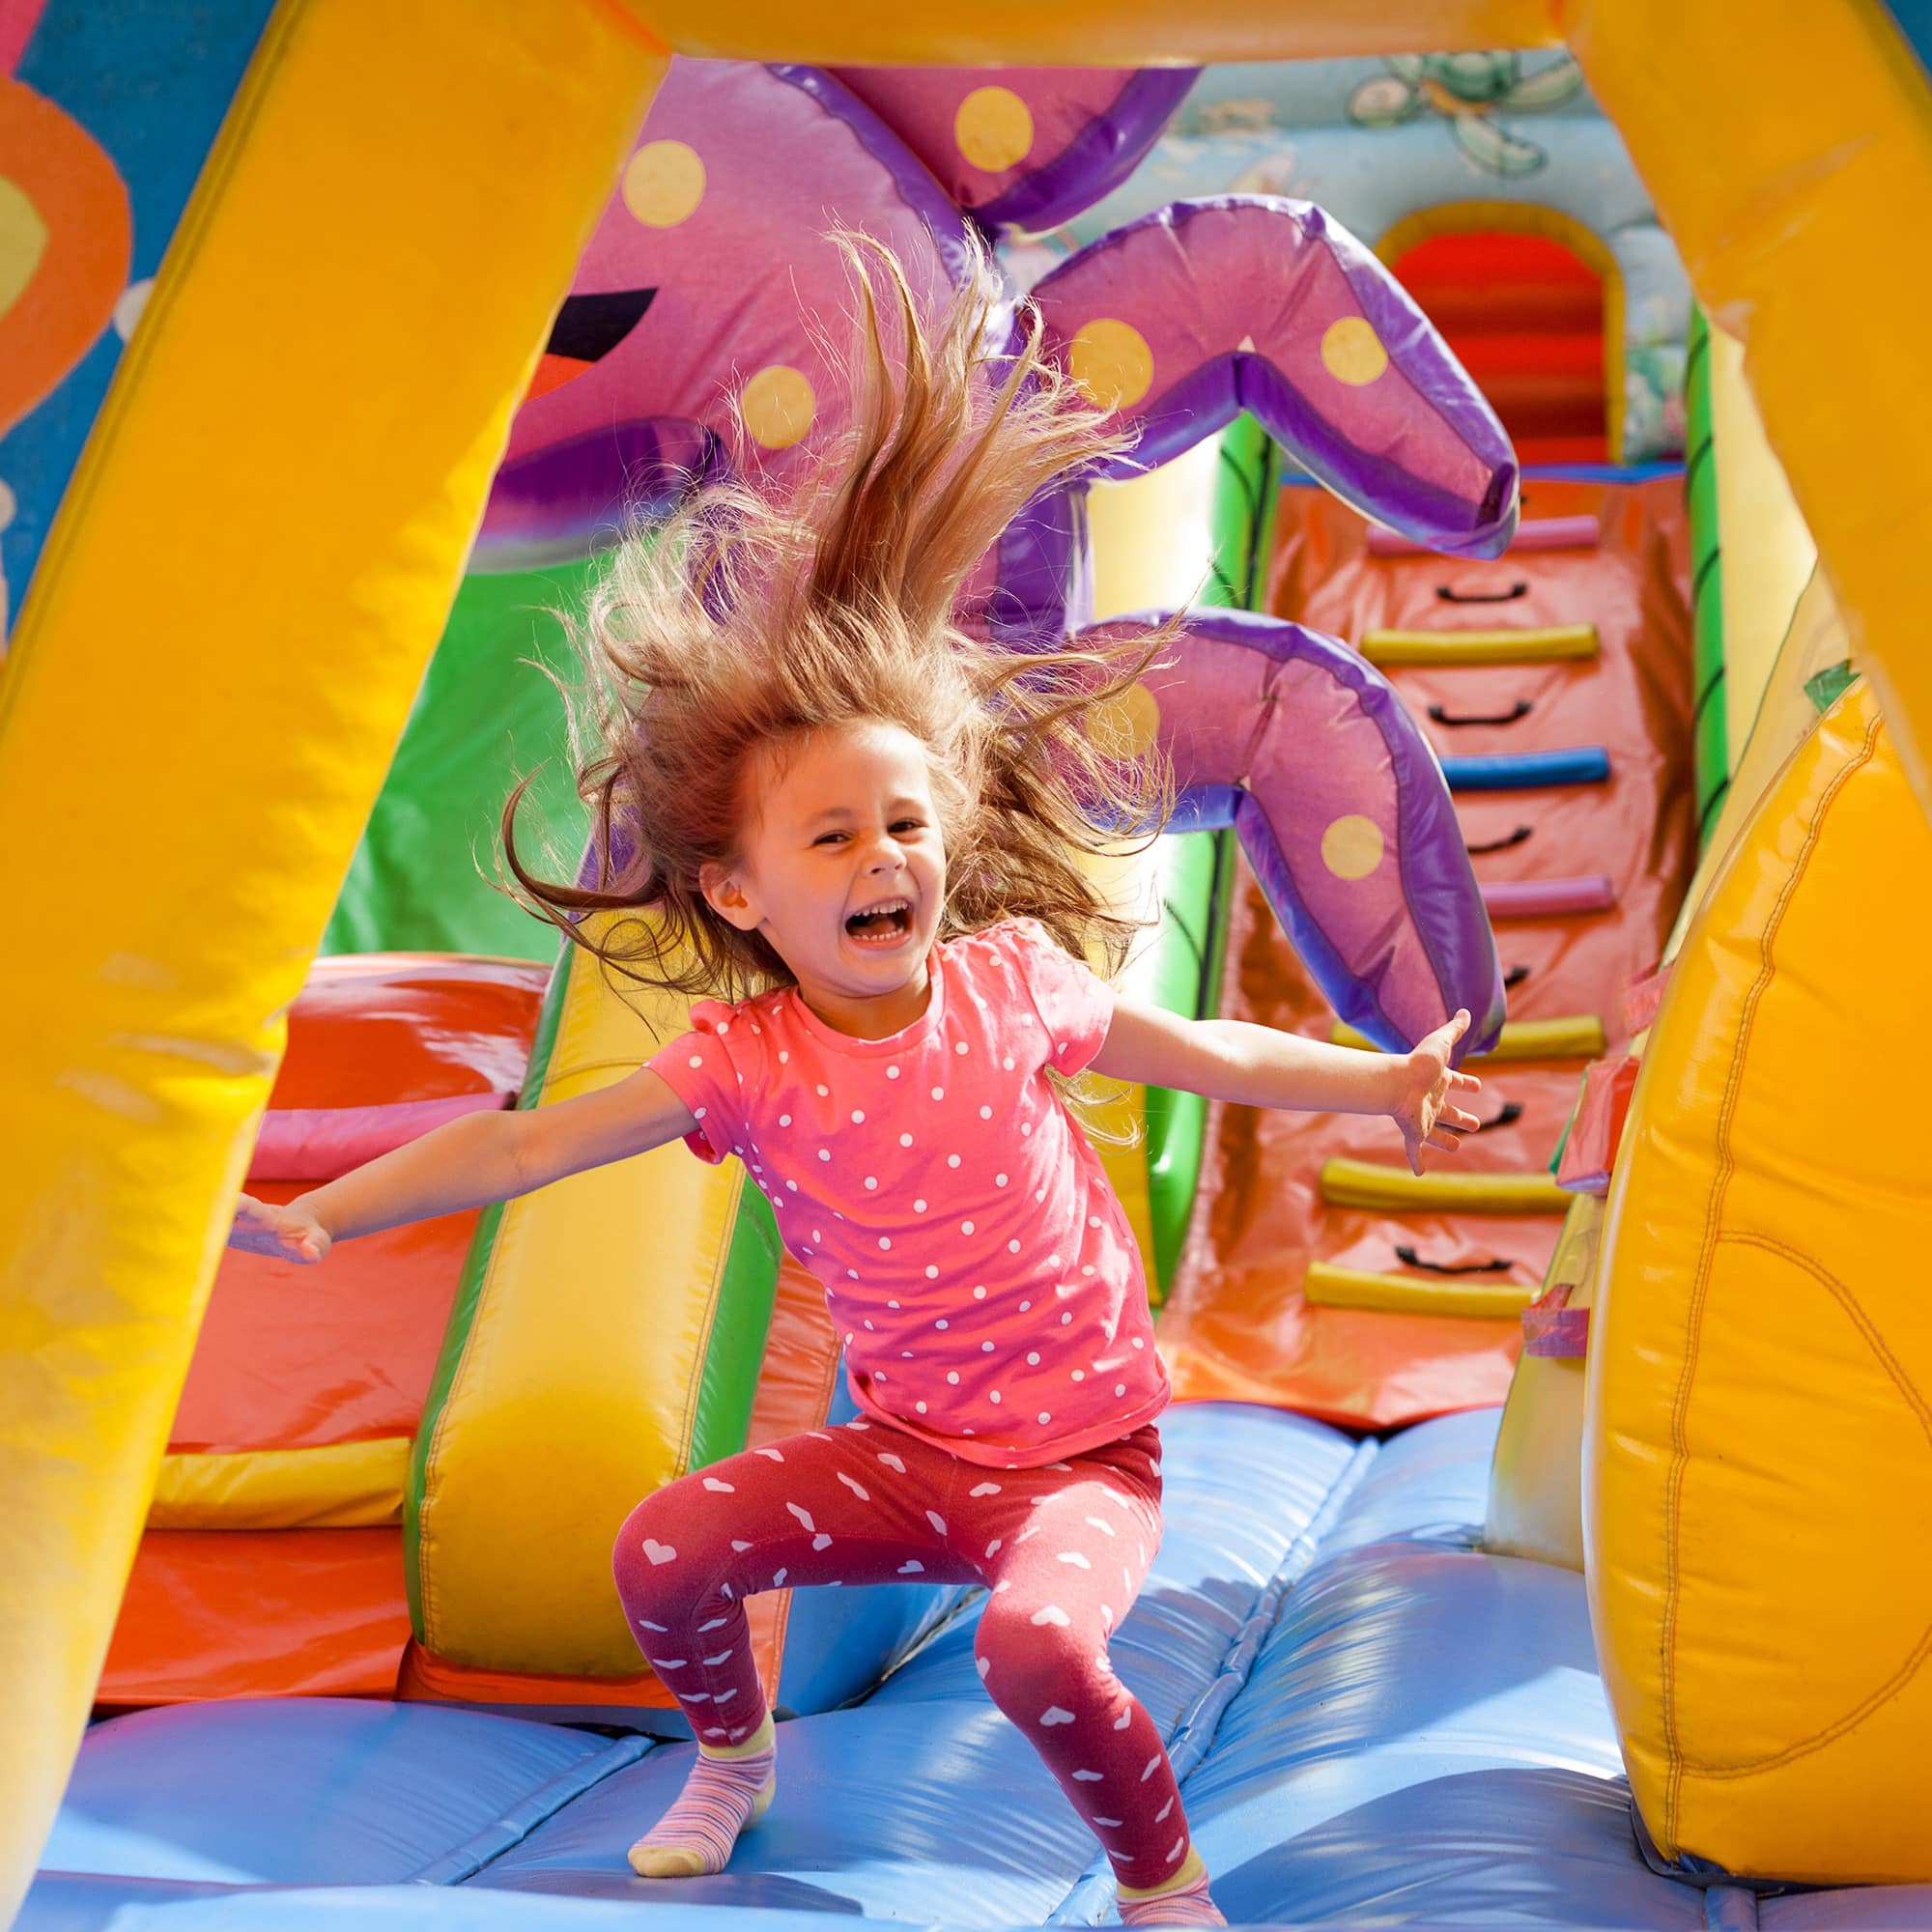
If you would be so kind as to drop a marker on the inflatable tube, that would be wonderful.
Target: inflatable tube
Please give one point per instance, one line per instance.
(1547, 899)
(1185, 319)
(1019, 147)
(1530, 771)
(1326, 1286)
(509, 1568)
(1760, 1592)
(486, 136)
(1578, 1036)
(1552, 645)
(1536, 1476)
(1395, 1190)
(1307, 753)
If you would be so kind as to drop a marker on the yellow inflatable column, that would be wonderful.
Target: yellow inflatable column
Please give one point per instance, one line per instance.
(1536, 1489)
(1778, 160)
(250, 569)
(1758, 1449)
(607, 1338)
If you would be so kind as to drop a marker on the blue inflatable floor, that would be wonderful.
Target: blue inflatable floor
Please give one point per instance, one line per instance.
(1375, 1723)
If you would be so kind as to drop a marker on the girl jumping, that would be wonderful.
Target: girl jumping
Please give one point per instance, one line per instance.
(814, 791)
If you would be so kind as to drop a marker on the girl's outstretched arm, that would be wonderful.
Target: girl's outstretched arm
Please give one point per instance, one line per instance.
(467, 1163)
(1232, 1060)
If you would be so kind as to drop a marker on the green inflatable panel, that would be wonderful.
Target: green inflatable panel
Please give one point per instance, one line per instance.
(423, 878)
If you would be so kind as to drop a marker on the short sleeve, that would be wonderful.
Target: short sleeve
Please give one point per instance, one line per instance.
(698, 1066)
(1074, 1004)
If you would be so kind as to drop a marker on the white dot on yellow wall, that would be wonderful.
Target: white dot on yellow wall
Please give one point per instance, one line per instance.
(777, 405)
(1112, 363)
(664, 184)
(993, 128)
(1351, 847)
(1352, 353)
(1125, 726)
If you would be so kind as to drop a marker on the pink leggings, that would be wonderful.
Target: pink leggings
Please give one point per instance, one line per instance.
(1062, 1548)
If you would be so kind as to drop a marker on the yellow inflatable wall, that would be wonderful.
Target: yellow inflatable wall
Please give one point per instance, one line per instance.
(1758, 1456)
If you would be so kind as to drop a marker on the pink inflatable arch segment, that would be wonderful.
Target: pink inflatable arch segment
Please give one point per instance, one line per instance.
(683, 352)
(1024, 147)
(1203, 309)
(1307, 752)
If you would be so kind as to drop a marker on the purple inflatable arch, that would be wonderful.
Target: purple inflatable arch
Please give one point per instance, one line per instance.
(1203, 309)
(1306, 750)
(1024, 148)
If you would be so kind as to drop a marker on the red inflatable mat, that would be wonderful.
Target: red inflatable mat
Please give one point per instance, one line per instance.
(297, 1358)
(259, 1613)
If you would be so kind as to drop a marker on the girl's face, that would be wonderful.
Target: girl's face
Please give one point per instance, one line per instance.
(843, 871)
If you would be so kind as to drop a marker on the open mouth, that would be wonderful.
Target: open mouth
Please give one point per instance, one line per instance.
(881, 925)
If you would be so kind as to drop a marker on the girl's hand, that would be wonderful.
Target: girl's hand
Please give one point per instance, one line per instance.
(290, 1233)
(1423, 1082)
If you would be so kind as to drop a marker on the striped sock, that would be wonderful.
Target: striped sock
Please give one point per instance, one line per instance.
(721, 1795)
(1185, 1905)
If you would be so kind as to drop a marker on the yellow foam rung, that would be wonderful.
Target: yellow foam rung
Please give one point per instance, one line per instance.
(1575, 1036)
(1368, 1184)
(1550, 645)
(1326, 1286)
(336, 1485)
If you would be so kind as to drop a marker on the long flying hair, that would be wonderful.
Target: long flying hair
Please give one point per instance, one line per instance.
(750, 620)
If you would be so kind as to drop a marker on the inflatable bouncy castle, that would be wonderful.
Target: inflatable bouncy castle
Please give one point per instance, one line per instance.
(1521, 440)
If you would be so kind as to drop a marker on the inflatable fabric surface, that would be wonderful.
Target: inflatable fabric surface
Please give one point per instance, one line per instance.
(1373, 1721)
(1760, 1443)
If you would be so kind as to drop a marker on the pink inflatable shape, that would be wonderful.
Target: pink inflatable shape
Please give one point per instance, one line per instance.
(1537, 534)
(1549, 899)
(319, 1143)
(1306, 750)
(1024, 147)
(689, 347)
(1182, 319)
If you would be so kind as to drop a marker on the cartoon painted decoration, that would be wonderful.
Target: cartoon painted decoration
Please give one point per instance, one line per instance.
(1469, 90)
(680, 355)
(1203, 309)
(1307, 752)
(65, 239)
(1024, 148)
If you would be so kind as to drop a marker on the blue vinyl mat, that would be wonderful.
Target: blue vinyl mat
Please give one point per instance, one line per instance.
(1375, 1723)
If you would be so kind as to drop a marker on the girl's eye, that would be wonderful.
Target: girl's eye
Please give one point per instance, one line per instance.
(826, 837)
(910, 824)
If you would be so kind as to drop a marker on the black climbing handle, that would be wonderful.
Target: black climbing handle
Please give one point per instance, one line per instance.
(1410, 1258)
(1450, 595)
(1440, 715)
(1515, 978)
(1515, 837)
(1505, 1115)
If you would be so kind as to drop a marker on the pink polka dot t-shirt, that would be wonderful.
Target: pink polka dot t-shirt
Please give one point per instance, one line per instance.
(978, 1264)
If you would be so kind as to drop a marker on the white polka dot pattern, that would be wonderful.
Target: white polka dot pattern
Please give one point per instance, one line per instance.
(948, 1193)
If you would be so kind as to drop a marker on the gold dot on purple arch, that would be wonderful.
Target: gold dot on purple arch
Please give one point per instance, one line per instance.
(1352, 846)
(1352, 353)
(1111, 363)
(993, 129)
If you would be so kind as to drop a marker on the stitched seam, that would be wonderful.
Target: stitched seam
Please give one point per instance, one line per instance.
(1701, 1288)
(1916, 1660)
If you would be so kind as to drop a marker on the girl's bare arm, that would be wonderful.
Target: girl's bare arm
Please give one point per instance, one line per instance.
(468, 1163)
(1232, 1060)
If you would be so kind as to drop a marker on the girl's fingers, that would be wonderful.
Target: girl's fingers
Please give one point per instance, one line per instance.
(1455, 1117)
(1448, 1143)
(1468, 1080)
